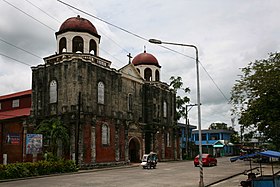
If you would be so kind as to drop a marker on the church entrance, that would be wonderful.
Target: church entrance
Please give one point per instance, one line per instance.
(134, 150)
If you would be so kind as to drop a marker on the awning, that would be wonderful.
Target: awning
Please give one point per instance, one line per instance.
(243, 157)
(268, 153)
(22, 112)
(273, 154)
(218, 146)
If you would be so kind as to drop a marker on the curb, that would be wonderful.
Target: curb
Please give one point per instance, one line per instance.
(221, 180)
(71, 173)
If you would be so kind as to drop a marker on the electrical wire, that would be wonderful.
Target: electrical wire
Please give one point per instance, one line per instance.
(21, 49)
(138, 36)
(43, 11)
(15, 60)
(103, 34)
(29, 15)
(215, 84)
(125, 30)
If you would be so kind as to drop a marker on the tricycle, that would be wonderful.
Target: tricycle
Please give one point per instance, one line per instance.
(149, 160)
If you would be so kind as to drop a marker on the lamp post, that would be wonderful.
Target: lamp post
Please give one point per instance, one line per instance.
(155, 41)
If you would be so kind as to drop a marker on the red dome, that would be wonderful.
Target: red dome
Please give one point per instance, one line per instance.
(77, 24)
(145, 59)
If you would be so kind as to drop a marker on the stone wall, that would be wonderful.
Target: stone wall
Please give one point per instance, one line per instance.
(140, 121)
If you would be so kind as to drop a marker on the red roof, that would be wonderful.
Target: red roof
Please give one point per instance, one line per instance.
(17, 94)
(77, 24)
(145, 59)
(23, 112)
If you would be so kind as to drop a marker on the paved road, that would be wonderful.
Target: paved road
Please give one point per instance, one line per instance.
(235, 181)
(167, 174)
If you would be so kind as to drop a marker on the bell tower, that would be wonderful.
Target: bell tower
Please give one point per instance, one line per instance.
(148, 67)
(77, 35)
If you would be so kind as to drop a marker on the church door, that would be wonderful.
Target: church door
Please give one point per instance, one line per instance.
(134, 150)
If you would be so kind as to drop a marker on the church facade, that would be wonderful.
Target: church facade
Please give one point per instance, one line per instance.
(113, 116)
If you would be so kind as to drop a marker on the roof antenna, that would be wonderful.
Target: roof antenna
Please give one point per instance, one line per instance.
(144, 49)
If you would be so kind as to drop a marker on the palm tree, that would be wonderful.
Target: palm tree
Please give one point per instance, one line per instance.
(54, 131)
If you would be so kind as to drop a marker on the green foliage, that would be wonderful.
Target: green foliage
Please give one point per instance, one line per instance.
(177, 84)
(235, 138)
(223, 126)
(54, 131)
(28, 169)
(256, 97)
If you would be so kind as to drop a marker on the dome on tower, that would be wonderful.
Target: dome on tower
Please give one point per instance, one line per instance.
(145, 59)
(77, 24)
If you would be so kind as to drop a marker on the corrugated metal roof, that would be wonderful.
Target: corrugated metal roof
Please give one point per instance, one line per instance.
(17, 94)
(14, 113)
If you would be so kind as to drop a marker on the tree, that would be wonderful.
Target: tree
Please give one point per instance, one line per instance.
(235, 138)
(54, 131)
(219, 126)
(255, 97)
(177, 84)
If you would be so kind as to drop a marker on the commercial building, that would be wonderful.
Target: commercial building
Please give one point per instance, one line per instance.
(14, 112)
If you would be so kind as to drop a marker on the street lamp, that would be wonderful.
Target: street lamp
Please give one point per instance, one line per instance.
(155, 41)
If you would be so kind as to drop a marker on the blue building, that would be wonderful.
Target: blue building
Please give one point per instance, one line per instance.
(183, 136)
(215, 142)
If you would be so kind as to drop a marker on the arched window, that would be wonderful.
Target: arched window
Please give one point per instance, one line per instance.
(92, 47)
(157, 75)
(62, 45)
(105, 134)
(148, 74)
(100, 93)
(53, 91)
(78, 44)
(164, 109)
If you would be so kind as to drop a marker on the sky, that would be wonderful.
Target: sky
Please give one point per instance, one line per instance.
(228, 34)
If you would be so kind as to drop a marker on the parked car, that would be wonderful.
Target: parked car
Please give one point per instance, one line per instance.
(149, 160)
(207, 160)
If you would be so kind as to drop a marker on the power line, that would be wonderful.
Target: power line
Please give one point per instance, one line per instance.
(21, 49)
(74, 12)
(125, 30)
(28, 15)
(113, 25)
(116, 43)
(138, 36)
(43, 11)
(120, 28)
(111, 55)
(214, 83)
(15, 60)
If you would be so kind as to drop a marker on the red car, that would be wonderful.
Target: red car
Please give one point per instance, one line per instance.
(207, 160)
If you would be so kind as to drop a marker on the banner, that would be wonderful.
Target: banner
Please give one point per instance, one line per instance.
(34, 143)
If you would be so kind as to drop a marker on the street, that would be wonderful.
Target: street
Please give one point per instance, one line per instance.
(172, 174)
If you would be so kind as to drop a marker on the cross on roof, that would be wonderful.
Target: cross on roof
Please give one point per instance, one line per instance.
(129, 57)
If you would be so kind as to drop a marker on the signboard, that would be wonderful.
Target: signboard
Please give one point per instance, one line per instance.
(13, 138)
(34, 143)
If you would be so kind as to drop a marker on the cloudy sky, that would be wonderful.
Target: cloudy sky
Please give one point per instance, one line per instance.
(228, 34)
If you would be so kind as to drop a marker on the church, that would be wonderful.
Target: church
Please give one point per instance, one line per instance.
(113, 116)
